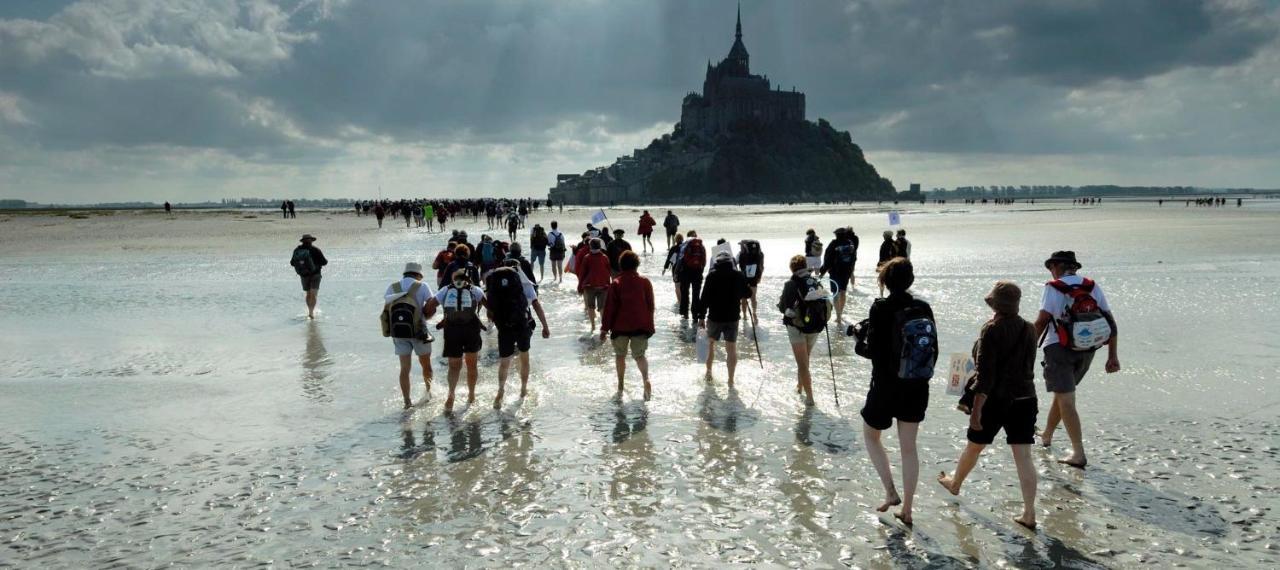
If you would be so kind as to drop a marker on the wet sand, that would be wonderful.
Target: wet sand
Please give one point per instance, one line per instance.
(165, 401)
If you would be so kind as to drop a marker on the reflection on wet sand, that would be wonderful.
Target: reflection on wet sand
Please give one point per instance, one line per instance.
(315, 364)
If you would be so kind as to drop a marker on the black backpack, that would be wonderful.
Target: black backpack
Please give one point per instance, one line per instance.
(846, 254)
(539, 239)
(915, 341)
(814, 308)
(303, 262)
(505, 292)
(403, 318)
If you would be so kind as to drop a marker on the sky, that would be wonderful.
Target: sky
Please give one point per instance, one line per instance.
(188, 100)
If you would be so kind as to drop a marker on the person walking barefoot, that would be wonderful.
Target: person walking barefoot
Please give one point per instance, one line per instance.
(1004, 396)
(893, 396)
(628, 314)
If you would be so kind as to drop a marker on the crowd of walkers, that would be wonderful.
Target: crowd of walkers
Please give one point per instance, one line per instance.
(488, 283)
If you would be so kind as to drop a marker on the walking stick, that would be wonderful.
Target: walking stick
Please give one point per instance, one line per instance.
(832, 360)
(756, 337)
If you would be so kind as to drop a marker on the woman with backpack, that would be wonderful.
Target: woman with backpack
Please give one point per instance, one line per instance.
(538, 242)
(812, 249)
(646, 231)
(805, 309)
(673, 263)
(900, 339)
(751, 263)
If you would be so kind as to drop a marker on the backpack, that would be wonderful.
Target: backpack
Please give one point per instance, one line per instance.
(303, 263)
(814, 248)
(486, 253)
(539, 239)
(401, 317)
(505, 292)
(695, 256)
(814, 308)
(459, 307)
(916, 342)
(845, 253)
(1085, 327)
(558, 246)
(749, 258)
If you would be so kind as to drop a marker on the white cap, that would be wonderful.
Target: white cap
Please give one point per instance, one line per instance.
(413, 267)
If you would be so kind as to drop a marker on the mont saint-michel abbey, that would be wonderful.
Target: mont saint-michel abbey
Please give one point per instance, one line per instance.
(739, 140)
(730, 94)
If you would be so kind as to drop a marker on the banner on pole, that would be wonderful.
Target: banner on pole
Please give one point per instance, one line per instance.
(962, 370)
(895, 218)
(598, 217)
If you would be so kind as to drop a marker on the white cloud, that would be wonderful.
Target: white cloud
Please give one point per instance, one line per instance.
(11, 111)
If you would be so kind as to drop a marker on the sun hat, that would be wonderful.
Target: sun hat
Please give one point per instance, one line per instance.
(1004, 297)
(413, 267)
(724, 256)
(307, 238)
(1067, 258)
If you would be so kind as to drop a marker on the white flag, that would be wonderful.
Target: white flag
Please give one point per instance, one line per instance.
(598, 217)
(894, 218)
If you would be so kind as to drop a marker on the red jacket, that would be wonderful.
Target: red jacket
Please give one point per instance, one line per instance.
(593, 271)
(646, 225)
(629, 306)
(579, 253)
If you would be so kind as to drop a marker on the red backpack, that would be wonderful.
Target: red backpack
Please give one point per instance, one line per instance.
(1085, 327)
(695, 256)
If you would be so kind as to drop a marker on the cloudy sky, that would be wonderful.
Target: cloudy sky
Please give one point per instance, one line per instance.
(110, 100)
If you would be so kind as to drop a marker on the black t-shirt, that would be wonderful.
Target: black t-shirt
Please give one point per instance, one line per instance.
(723, 292)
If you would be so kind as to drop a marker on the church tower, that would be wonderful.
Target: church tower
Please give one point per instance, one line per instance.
(738, 62)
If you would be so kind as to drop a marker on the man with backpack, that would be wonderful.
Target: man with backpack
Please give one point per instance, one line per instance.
(805, 308)
(690, 264)
(751, 263)
(837, 262)
(509, 297)
(615, 249)
(513, 224)
(672, 224)
(442, 261)
(461, 300)
(487, 254)
(557, 248)
(404, 321)
(812, 250)
(538, 242)
(725, 295)
(1075, 320)
(900, 338)
(628, 317)
(593, 279)
(307, 260)
(461, 262)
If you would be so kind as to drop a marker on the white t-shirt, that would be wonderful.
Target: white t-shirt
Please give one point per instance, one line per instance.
(552, 236)
(448, 297)
(424, 293)
(1055, 303)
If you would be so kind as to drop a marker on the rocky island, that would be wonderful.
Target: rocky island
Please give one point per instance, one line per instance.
(738, 141)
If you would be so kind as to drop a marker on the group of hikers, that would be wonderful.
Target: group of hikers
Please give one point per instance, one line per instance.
(423, 213)
(493, 281)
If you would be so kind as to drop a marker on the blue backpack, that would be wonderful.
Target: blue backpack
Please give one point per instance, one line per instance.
(486, 253)
(916, 343)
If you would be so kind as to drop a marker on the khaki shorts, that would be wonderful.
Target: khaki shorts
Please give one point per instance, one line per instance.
(1064, 368)
(637, 344)
(594, 298)
(794, 336)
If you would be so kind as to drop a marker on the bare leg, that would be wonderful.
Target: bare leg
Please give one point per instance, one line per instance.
(312, 295)
(910, 467)
(840, 297)
(425, 361)
(642, 364)
(880, 460)
(1051, 423)
(473, 374)
(968, 460)
(620, 364)
(455, 370)
(1066, 404)
(504, 364)
(711, 355)
(1027, 480)
(731, 358)
(801, 353)
(524, 374)
(405, 363)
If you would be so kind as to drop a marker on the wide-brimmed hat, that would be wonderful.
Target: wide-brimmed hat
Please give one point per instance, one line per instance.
(413, 267)
(1067, 258)
(724, 256)
(307, 238)
(1004, 297)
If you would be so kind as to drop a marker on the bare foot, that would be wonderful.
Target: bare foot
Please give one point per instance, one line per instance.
(1077, 462)
(408, 404)
(523, 392)
(1029, 524)
(904, 517)
(892, 500)
(948, 483)
(448, 404)
(1046, 440)
(497, 402)
(648, 391)
(471, 398)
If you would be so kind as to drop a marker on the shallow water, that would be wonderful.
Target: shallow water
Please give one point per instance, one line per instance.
(164, 401)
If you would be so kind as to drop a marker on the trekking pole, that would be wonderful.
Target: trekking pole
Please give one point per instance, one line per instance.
(832, 360)
(756, 337)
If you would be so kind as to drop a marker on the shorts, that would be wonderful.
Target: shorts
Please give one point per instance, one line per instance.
(510, 339)
(1016, 418)
(726, 331)
(794, 336)
(310, 282)
(672, 231)
(841, 280)
(638, 345)
(594, 297)
(461, 340)
(813, 262)
(538, 256)
(407, 346)
(894, 398)
(557, 255)
(1064, 368)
